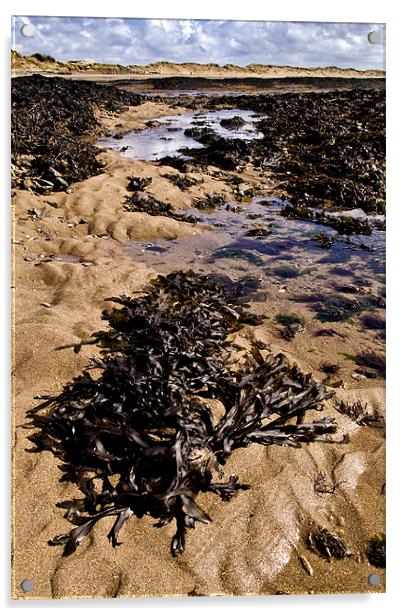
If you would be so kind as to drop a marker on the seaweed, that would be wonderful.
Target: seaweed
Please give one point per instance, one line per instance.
(209, 201)
(373, 361)
(259, 232)
(140, 438)
(182, 182)
(197, 133)
(227, 154)
(334, 308)
(137, 183)
(345, 225)
(322, 486)
(324, 241)
(376, 551)
(329, 332)
(140, 201)
(288, 319)
(237, 253)
(373, 321)
(289, 331)
(326, 544)
(328, 147)
(286, 271)
(330, 368)
(53, 121)
(358, 412)
(233, 123)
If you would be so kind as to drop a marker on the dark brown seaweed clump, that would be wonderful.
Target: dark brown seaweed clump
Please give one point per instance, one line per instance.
(376, 552)
(330, 368)
(141, 438)
(209, 201)
(182, 182)
(372, 361)
(141, 201)
(233, 123)
(345, 225)
(52, 123)
(358, 412)
(326, 544)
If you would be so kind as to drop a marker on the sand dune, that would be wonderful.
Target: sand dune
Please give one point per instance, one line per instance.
(43, 63)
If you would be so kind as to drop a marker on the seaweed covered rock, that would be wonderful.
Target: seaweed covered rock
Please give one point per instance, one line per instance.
(232, 123)
(228, 154)
(52, 122)
(143, 427)
(140, 201)
(327, 148)
(343, 224)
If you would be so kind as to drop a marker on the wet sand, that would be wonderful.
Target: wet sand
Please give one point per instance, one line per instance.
(66, 261)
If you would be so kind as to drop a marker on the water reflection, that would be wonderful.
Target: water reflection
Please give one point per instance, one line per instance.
(169, 138)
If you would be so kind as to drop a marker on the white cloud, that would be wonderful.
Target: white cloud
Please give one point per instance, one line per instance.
(142, 41)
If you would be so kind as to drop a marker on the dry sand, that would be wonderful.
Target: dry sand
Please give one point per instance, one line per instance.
(255, 542)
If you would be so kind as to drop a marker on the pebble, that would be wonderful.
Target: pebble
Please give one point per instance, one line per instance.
(306, 564)
(358, 377)
(45, 304)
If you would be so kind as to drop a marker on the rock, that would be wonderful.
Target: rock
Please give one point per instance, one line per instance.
(358, 377)
(35, 213)
(152, 123)
(306, 565)
(232, 123)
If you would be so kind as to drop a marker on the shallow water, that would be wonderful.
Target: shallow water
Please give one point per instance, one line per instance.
(287, 241)
(169, 138)
(286, 257)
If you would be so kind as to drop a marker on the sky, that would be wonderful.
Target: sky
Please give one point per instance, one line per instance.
(143, 41)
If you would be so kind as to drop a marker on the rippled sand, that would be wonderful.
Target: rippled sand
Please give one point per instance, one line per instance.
(255, 542)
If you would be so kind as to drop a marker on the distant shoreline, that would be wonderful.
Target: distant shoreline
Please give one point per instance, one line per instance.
(41, 63)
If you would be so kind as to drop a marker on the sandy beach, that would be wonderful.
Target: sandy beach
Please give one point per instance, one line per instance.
(71, 251)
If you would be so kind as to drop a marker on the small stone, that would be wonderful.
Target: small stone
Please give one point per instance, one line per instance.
(306, 564)
(45, 304)
(358, 377)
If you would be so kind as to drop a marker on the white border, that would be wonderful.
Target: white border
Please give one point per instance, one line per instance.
(385, 11)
